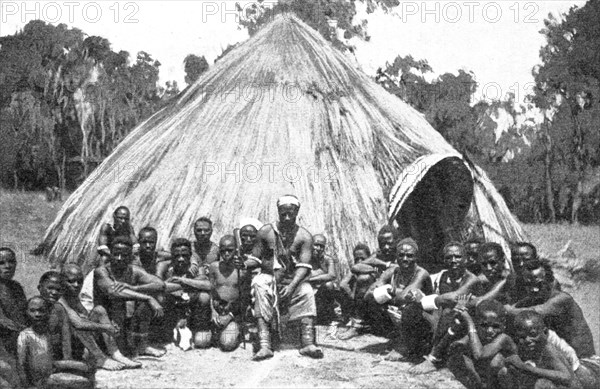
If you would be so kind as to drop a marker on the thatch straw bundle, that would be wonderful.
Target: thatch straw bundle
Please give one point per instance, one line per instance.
(282, 113)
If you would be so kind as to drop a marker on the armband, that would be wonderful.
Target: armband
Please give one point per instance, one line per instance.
(388, 265)
(103, 248)
(428, 302)
(304, 265)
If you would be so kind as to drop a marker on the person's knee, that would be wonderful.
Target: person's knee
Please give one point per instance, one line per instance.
(363, 280)
(543, 383)
(202, 339)
(204, 298)
(497, 363)
(229, 339)
(99, 312)
(328, 286)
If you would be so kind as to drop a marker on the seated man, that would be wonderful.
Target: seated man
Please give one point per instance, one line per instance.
(477, 358)
(87, 327)
(348, 283)
(402, 280)
(323, 279)
(448, 285)
(560, 311)
(118, 281)
(37, 362)
(285, 250)
(228, 279)
(367, 273)
(121, 227)
(495, 280)
(51, 289)
(538, 364)
(187, 302)
(12, 302)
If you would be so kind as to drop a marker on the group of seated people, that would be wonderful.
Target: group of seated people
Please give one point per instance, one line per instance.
(494, 326)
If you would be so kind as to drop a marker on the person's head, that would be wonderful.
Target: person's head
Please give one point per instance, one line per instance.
(72, 279)
(491, 259)
(8, 263)
(490, 318)
(248, 235)
(121, 218)
(472, 253)
(538, 279)
(287, 208)
(454, 258)
(181, 255)
(227, 248)
(121, 252)
(319, 242)
(147, 239)
(406, 254)
(386, 238)
(51, 286)
(361, 252)
(521, 253)
(530, 334)
(203, 230)
(38, 311)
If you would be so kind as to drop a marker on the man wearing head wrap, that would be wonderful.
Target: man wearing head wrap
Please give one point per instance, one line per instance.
(367, 272)
(394, 290)
(285, 250)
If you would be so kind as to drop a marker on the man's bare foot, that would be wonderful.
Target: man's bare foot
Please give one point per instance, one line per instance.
(262, 354)
(394, 356)
(423, 368)
(311, 351)
(152, 352)
(127, 363)
(111, 365)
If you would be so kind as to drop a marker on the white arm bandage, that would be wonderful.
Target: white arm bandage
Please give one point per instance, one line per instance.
(428, 302)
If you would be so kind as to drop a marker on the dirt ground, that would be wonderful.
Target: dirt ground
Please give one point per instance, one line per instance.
(356, 363)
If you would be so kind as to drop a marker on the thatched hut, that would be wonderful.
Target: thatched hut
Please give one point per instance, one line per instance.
(284, 112)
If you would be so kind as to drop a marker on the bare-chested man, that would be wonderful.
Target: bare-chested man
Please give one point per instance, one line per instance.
(559, 310)
(496, 282)
(13, 304)
(149, 257)
(121, 227)
(226, 277)
(367, 272)
(401, 281)
(323, 279)
(538, 364)
(119, 281)
(204, 251)
(448, 285)
(472, 253)
(187, 303)
(87, 326)
(285, 250)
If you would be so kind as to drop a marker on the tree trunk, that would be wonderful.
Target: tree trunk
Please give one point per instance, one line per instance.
(548, 173)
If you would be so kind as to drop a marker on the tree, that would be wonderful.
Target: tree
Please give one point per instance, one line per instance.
(568, 90)
(194, 66)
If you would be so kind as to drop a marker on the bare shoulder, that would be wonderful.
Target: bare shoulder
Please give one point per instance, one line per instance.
(265, 231)
(303, 234)
(106, 228)
(422, 273)
(101, 271)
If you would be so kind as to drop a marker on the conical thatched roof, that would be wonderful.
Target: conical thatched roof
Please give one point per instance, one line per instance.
(282, 113)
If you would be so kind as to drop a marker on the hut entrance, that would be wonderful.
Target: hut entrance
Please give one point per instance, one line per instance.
(434, 212)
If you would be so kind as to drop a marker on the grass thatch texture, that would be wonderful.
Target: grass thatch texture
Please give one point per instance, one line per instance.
(282, 113)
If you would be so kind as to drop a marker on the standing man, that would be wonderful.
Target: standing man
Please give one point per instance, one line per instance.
(285, 250)
(204, 251)
(121, 227)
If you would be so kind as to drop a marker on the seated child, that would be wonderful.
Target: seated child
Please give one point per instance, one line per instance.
(538, 363)
(37, 365)
(476, 359)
